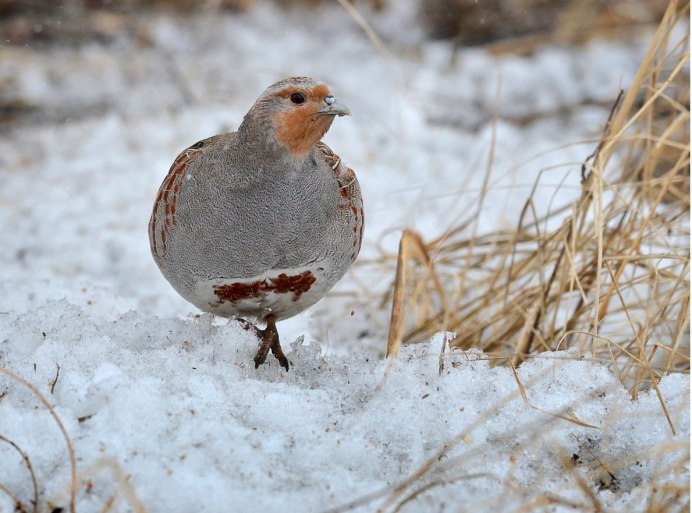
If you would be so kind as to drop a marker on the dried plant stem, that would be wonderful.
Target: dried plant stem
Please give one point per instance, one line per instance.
(367, 28)
(30, 468)
(68, 441)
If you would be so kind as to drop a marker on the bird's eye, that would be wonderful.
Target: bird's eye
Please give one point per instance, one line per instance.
(298, 98)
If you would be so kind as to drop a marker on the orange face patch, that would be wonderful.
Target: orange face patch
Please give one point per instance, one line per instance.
(302, 127)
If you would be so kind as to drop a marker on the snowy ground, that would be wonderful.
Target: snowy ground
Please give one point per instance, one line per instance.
(150, 390)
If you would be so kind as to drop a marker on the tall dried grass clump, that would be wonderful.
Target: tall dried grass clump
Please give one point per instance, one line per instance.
(612, 280)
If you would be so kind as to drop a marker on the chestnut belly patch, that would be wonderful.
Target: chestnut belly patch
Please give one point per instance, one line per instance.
(236, 292)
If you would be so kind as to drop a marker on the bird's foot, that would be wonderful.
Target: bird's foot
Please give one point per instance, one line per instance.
(269, 338)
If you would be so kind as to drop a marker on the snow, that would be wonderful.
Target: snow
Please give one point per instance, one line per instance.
(164, 403)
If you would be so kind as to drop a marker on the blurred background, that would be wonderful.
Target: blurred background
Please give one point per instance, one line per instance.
(31, 30)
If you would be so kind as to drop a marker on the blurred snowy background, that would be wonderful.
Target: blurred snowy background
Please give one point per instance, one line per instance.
(163, 406)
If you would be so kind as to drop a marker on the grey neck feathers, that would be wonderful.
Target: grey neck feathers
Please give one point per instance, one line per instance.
(257, 130)
(256, 137)
(259, 145)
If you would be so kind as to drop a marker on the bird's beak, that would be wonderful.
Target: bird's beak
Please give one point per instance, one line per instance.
(334, 107)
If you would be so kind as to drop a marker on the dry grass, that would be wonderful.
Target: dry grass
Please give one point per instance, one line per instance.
(19, 505)
(124, 490)
(612, 280)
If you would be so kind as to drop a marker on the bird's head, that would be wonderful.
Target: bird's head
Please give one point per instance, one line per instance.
(296, 111)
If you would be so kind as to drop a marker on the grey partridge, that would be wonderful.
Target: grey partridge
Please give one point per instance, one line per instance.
(262, 222)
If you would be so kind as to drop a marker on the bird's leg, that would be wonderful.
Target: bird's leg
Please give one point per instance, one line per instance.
(270, 340)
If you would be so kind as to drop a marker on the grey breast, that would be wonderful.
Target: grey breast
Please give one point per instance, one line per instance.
(234, 226)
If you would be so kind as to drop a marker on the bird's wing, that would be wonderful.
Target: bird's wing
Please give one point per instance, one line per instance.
(331, 158)
(350, 201)
(344, 175)
(163, 215)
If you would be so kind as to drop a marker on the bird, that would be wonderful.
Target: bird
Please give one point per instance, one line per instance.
(259, 224)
